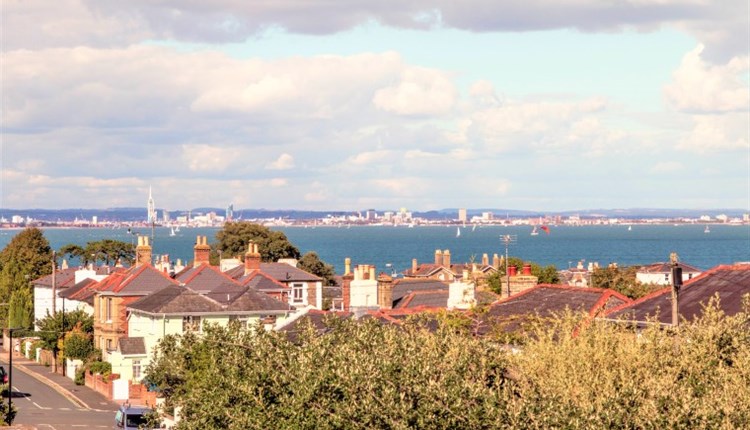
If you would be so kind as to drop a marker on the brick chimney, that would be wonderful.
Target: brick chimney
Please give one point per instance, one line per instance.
(485, 260)
(142, 252)
(413, 266)
(447, 258)
(438, 257)
(495, 261)
(527, 269)
(252, 258)
(201, 251)
(385, 291)
(346, 284)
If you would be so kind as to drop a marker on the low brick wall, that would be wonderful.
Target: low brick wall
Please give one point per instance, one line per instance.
(139, 395)
(100, 384)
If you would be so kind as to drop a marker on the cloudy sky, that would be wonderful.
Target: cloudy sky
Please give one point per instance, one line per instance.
(355, 104)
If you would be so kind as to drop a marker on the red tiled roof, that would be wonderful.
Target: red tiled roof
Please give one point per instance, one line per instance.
(136, 281)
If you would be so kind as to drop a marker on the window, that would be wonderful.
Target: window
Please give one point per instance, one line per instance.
(191, 322)
(298, 293)
(666, 277)
(109, 344)
(109, 309)
(241, 321)
(136, 370)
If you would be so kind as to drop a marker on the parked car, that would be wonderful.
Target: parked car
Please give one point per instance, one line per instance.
(132, 417)
(4, 379)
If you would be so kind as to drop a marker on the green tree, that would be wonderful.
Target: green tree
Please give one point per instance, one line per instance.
(109, 251)
(27, 257)
(234, 238)
(21, 309)
(546, 274)
(72, 251)
(53, 327)
(310, 262)
(623, 280)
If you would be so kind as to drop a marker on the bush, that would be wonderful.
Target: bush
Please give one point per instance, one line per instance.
(363, 375)
(80, 378)
(101, 367)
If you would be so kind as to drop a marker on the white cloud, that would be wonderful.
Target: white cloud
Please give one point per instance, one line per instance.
(701, 87)
(284, 162)
(713, 134)
(37, 23)
(418, 92)
(206, 158)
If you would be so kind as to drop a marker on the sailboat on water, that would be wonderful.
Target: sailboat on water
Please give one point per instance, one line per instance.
(706, 230)
(458, 231)
(171, 232)
(534, 231)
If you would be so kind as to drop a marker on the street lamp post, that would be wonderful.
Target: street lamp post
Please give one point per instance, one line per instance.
(10, 367)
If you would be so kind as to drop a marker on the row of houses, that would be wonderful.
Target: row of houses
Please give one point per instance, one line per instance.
(135, 307)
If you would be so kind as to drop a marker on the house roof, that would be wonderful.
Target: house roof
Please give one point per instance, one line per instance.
(315, 318)
(545, 300)
(281, 272)
(136, 281)
(132, 346)
(174, 299)
(729, 282)
(227, 298)
(81, 292)
(64, 278)
(204, 278)
(424, 298)
(263, 282)
(403, 287)
(667, 268)
(429, 269)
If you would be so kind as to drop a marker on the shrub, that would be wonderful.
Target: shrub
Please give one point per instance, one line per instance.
(101, 367)
(80, 378)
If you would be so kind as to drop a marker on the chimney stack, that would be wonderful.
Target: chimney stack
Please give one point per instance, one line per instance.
(512, 270)
(252, 258)
(347, 266)
(485, 260)
(413, 266)
(201, 251)
(495, 261)
(438, 257)
(527, 269)
(385, 291)
(142, 252)
(447, 258)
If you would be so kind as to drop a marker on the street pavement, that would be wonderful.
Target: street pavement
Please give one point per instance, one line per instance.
(50, 401)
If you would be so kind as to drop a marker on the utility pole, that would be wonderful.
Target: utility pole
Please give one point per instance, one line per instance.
(676, 285)
(54, 285)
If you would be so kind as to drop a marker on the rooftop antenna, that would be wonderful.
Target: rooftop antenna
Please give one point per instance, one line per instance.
(508, 239)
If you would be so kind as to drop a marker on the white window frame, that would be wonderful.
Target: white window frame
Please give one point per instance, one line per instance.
(136, 370)
(298, 289)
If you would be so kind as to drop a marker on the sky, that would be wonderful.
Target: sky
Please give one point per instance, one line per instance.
(545, 105)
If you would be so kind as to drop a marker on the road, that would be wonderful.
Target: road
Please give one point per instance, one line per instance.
(40, 405)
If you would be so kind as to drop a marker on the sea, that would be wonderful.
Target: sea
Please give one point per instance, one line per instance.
(391, 249)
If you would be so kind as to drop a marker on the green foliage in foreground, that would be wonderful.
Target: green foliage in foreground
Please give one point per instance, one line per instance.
(363, 375)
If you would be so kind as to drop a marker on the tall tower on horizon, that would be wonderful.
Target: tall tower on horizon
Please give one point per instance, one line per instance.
(151, 208)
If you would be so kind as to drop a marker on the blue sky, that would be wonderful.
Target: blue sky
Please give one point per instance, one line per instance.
(550, 105)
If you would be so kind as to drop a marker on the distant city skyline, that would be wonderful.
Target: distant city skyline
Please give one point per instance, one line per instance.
(426, 104)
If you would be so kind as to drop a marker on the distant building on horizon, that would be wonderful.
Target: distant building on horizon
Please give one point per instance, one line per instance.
(462, 214)
(150, 208)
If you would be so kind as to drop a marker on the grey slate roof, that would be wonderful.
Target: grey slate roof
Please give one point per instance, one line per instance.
(547, 300)
(317, 319)
(283, 272)
(132, 346)
(80, 292)
(730, 282)
(402, 287)
(175, 299)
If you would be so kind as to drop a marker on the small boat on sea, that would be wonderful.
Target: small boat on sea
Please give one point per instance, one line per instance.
(706, 230)
(534, 231)
(458, 231)
(171, 232)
